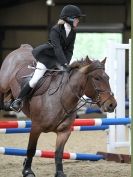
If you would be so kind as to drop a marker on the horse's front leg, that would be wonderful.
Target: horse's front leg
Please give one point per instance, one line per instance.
(62, 138)
(34, 135)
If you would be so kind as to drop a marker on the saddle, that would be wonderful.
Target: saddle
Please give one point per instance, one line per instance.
(50, 77)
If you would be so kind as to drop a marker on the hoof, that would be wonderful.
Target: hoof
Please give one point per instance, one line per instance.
(60, 174)
(28, 173)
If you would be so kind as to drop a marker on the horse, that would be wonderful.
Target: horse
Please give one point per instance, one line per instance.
(54, 110)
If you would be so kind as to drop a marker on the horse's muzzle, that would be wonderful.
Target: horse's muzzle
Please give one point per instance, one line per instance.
(109, 105)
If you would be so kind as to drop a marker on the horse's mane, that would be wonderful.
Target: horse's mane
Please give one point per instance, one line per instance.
(80, 63)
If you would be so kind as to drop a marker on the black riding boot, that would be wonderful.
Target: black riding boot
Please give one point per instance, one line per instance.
(17, 104)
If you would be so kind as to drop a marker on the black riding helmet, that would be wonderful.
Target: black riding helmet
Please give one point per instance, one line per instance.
(70, 12)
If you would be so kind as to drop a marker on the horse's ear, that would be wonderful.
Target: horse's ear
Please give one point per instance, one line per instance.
(104, 61)
(88, 59)
(84, 69)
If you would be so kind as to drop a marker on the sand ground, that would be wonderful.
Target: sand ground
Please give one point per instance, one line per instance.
(84, 142)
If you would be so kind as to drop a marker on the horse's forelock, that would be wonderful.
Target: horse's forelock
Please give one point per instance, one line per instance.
(75, 64)
(81, 63)
(96, 64)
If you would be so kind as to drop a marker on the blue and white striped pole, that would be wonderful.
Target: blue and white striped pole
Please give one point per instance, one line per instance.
(50, 154)
(74, 128)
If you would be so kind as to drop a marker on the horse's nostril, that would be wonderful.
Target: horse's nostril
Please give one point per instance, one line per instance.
(111, 105)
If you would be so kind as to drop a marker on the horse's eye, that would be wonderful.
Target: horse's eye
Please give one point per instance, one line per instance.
(96, 78)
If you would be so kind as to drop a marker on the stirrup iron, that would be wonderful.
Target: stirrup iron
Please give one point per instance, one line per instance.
(20, 106)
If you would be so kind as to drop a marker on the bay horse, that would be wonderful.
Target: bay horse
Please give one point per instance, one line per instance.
(55, 109)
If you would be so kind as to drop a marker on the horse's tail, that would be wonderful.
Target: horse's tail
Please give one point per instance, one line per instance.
(26, 46)
(1, 64)
(1, 101)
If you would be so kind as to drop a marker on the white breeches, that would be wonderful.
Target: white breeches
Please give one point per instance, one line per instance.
(39, 72)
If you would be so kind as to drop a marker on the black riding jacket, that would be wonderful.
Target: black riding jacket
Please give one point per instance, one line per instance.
(59, 48)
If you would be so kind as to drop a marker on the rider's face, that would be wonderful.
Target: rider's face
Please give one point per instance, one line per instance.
(75, 22)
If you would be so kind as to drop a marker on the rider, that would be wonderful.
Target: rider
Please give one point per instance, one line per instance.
(57, 51)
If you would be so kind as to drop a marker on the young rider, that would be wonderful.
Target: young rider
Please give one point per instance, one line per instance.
(57, 51)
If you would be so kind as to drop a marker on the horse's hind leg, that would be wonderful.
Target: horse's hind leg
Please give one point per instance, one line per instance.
(8, 99)
(62, 138)
(34, 135)
(5, 105)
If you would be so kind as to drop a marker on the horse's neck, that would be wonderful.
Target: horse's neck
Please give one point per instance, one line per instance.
(74, 87)
(76, 83)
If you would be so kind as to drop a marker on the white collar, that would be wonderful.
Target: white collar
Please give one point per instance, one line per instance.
(67, 26)
(67, 29)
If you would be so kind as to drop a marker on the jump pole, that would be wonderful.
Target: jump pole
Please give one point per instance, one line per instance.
(73, 128)
(77, 122)
(51, 154)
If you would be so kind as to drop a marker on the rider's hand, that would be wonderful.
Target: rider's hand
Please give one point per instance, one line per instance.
(66, 67)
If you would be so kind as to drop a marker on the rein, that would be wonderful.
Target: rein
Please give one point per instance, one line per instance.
(79, 96)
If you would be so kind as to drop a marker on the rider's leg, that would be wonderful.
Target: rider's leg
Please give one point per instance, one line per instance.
(39, 72)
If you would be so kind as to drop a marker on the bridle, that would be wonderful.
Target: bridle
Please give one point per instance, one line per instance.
(98, 92)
